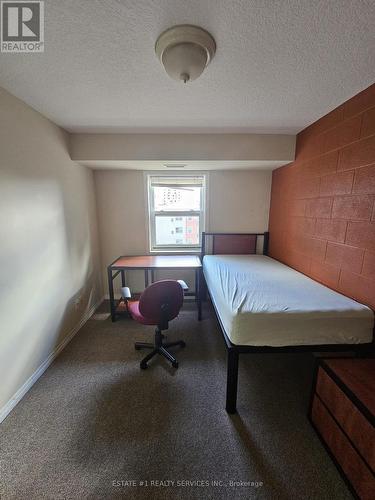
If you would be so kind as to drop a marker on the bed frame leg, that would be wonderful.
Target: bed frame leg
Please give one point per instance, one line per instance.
(232, 379)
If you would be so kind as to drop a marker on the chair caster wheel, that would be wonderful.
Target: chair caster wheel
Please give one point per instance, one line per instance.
(175, 364)
(143, 365)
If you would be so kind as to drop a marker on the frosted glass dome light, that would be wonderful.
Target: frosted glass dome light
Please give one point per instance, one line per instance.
(185, 51)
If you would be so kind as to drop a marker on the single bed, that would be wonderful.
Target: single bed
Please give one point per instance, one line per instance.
(263, 305)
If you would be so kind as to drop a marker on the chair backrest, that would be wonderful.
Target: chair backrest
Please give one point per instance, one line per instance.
(167, 293)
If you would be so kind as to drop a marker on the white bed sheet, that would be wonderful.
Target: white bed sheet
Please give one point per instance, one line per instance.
(262, 302)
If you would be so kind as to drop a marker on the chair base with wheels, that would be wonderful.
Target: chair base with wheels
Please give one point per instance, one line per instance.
(159, 348)
(158, 304)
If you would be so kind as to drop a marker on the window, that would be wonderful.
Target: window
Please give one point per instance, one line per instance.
(176, 212)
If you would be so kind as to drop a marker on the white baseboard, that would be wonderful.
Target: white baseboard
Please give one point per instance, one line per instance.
(16, 398)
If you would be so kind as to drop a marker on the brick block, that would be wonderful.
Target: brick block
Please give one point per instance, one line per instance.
(345, 256)
(277, 243)
(307, 188)
(325, 273)
(276, 226)
(278, 217)
(358, 287)
(364, 180)
(297, 207)
(337, 183)
(345, 133)
(308, 226)
(319, 207)
(308, 246)
(358, 154)
(301, 225)
(368, 269)
(308, 147)
(284, 184)
(298, 261)
(322, 165)
(353, 207)
(360, 102)
(361, 234)
(332, 230)
(368, 123)
(327, 121)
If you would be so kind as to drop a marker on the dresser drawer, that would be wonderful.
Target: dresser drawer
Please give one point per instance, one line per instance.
(351, 463)
(352, 421)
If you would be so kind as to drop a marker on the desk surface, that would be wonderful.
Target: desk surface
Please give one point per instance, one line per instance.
(157, 261)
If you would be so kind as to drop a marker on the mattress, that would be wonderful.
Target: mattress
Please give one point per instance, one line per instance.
(262, 302)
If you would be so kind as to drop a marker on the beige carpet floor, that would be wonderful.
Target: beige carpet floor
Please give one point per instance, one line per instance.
(95, 424)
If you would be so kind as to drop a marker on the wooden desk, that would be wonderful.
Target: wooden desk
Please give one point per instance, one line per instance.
(150, 263)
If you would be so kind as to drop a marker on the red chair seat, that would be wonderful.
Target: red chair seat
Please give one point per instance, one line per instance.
(134, 311)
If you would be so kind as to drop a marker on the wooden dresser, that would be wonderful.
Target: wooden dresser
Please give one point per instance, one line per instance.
(342, 412)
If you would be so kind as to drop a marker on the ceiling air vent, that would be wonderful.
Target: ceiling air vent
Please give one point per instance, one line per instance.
(181, 165)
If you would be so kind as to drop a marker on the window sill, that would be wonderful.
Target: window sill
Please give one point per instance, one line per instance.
(195, 251)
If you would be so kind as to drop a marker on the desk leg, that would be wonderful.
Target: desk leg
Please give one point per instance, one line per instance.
(123, 278)
(198, 292)
(152, 276)
(111, 295)
(146, 278)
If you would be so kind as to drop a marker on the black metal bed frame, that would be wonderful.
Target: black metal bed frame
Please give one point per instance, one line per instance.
(233, 350)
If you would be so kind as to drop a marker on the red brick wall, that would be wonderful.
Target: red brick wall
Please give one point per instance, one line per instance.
(322, 217)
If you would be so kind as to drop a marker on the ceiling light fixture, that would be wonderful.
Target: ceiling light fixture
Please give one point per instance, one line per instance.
(185, 51)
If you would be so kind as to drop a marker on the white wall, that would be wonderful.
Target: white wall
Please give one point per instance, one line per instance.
(237, 201)
(49, 257)
(183, 147)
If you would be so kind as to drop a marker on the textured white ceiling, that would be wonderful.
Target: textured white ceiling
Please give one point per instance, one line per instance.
(280, 64)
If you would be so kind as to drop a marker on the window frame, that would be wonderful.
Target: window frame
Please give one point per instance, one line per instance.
(152, 214)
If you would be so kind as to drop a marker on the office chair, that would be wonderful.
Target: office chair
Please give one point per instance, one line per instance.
(158, 304)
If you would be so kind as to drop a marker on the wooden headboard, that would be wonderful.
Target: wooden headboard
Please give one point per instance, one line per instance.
(233, 243)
